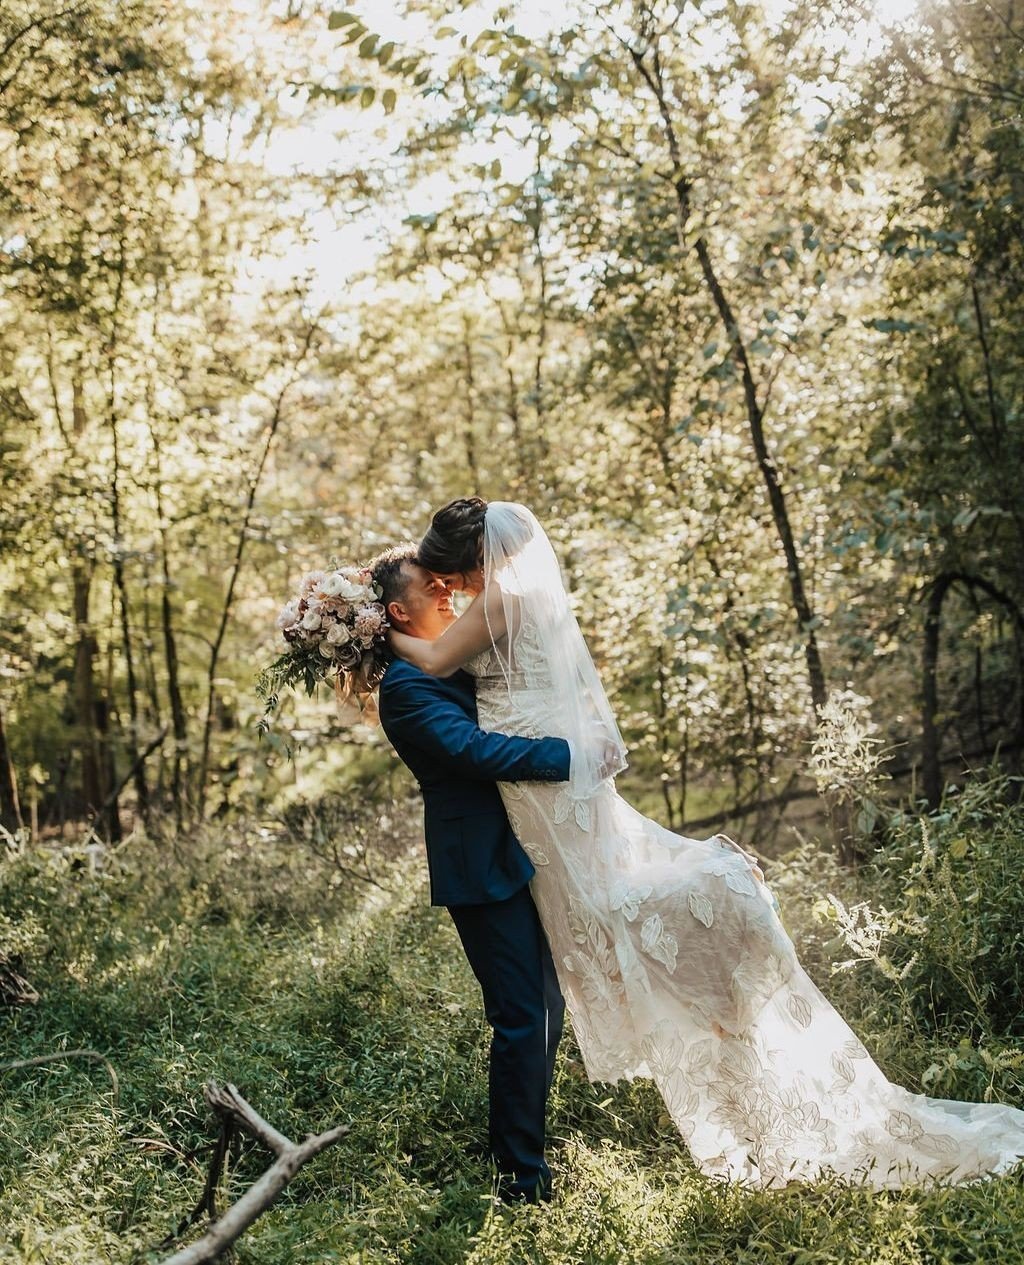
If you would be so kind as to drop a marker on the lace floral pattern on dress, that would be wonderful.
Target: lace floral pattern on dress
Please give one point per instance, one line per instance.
(674, 964)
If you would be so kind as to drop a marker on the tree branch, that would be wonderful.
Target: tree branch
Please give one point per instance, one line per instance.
(93, 1055)
(235, 1113)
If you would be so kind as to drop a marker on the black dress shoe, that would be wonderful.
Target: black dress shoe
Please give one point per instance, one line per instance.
(511, 1191)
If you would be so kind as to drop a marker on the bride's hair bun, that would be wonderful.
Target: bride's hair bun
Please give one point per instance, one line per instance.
(454, 540)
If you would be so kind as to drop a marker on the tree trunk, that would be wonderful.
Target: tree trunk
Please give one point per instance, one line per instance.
(512, 408)
(805, 618)
(89, 709)
(120, 582)
(179, 723)
(931, 765)
(93, 793)
(664, 752)
(229, 596)
(10, 807)
(536, 225)
(470, 435)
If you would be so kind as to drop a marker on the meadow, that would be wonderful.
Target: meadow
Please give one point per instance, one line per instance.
(242, 955)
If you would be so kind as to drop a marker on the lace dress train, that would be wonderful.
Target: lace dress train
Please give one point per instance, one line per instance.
(674, 965)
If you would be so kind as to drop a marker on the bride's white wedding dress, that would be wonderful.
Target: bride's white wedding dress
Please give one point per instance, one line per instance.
(675, 965)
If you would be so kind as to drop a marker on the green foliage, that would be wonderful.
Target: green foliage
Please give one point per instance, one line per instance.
(540, 326)
(302, 664)
(232, 955)
(845, 758)
(937, 918)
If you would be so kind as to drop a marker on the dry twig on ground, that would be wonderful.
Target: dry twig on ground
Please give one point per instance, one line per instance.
(59, 1055)
(235, 1113)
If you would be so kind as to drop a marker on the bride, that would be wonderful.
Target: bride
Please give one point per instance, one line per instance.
(669, 951)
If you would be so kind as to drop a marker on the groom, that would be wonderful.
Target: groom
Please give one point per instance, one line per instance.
(478, 868)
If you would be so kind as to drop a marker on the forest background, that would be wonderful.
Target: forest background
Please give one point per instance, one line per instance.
(727, 293)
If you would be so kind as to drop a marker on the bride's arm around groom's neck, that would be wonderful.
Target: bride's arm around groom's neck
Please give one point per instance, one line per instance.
(472, 633)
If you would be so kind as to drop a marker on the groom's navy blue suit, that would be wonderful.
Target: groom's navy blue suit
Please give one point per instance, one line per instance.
(479, 870)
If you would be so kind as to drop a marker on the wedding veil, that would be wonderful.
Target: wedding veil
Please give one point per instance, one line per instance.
(544, 649)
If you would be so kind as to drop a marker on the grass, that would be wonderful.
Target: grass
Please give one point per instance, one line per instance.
(242, 960)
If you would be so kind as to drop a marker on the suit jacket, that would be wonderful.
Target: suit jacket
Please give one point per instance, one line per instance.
(472, 853)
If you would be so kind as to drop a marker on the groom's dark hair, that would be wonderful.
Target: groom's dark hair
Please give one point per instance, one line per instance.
(388, 570)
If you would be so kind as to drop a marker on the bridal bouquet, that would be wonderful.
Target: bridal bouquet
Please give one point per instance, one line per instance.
(336, 625)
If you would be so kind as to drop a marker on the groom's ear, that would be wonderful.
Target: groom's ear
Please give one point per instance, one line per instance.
(396, 613)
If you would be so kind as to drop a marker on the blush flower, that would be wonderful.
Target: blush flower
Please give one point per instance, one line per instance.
(368, 623)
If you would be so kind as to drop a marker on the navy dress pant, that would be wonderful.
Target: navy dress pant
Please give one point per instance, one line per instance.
(508, 951)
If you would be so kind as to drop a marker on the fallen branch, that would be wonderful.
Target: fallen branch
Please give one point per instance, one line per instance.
(15, 990)
(94, 1055)
(235, 1113)
(791, 796)
(745, 810)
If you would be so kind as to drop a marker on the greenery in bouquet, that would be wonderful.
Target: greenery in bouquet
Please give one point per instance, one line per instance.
(335, 627)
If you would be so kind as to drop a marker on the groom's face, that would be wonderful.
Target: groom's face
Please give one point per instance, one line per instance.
(425, 609)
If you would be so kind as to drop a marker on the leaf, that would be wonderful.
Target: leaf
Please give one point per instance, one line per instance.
(800, 1009)
(388, 100)
(701, 908)
(843, 1069)
(367, 46)
(341, 18)
(425, 222)
(939, 1145)
(866, 817)
(366, 97)
(930, 1073)
(892, 326)
(657, 943)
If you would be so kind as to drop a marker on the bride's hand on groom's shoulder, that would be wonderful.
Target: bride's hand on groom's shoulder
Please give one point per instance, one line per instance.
(611, 759)
(605, 756)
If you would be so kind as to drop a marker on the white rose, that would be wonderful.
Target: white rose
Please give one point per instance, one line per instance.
(288, 615)
(351, 592)
(338, 635)
(309, 582)
(332, 586)
(311, 620)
